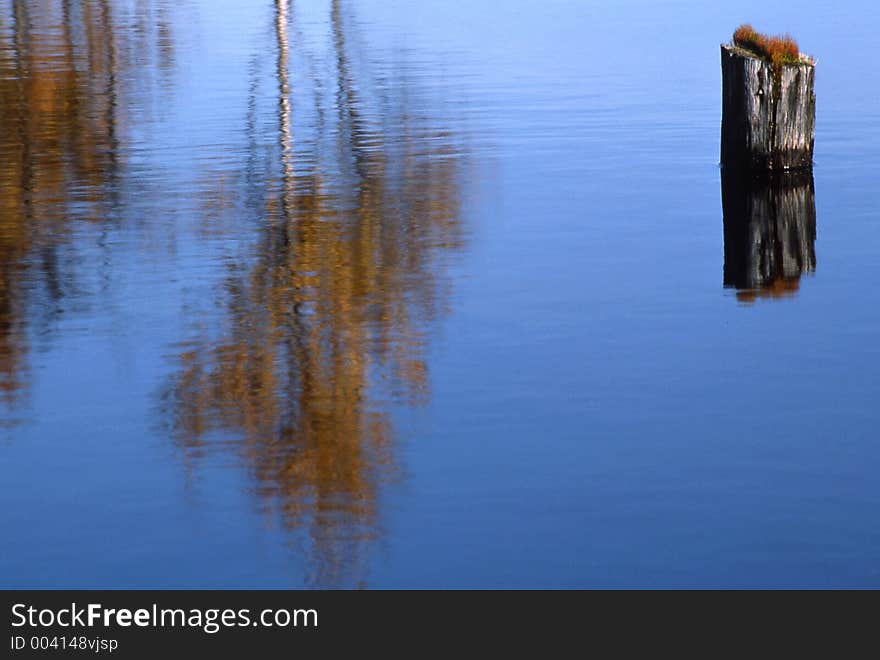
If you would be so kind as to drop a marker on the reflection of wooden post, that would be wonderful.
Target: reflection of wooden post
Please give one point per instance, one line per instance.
(769, 232)
(768, 117)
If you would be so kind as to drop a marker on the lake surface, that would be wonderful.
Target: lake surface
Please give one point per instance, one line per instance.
(388, 294)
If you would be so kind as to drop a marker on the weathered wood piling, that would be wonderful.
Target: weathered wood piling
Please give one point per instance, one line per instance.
(769, 231)
(768, 110)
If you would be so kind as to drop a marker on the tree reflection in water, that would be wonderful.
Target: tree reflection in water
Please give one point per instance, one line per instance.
(65, 67)
(325, 324)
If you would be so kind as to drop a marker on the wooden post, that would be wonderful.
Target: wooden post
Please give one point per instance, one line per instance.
(769, 231)
(768, 114)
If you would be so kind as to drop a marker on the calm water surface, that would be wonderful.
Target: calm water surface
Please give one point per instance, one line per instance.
(352, 293)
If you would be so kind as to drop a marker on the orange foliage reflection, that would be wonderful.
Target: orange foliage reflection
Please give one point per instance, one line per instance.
(326, 323)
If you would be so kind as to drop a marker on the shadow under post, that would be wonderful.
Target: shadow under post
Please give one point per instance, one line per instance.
(769, 232)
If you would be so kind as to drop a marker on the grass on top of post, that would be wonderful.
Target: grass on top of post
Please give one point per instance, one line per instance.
(781, 49)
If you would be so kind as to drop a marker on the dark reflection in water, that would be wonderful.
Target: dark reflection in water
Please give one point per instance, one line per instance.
(324, 325)
(61, 64)
(769, 233)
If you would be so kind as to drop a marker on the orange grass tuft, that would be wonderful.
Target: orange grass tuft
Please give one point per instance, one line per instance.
(779, 49)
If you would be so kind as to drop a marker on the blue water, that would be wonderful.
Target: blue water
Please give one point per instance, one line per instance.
(388, 294)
